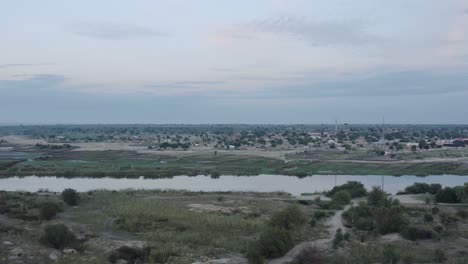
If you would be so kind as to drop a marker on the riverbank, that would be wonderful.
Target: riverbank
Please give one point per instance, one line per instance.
(124, 164)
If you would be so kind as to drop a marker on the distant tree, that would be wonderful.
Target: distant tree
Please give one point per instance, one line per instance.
(70, 197)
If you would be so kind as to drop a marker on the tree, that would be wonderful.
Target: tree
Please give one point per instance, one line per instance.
(413, 148)
(70, 197)
(355, 188)
(58, 236)
(48, 210)
(342, 197)
(377, 197)
(447, 195)
(289, 218)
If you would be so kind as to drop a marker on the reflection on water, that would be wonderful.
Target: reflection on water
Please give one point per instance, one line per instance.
(261, 183)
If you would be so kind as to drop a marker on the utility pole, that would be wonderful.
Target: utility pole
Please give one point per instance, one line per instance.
(383, 129)
(336, 127)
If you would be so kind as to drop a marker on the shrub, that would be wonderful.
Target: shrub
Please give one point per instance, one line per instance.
(462, 214)
(414, 233)
(355, 188)
(70, 197)
(58, 236)
(428, 218)
(273, 242)
(377, 198)
(255, 256)
(312, 222)
(390, 220)
(48, 210)
(390, 255)
(338, 239)
(309, 255)
(319, 215)
(131, 255)
(447, 195)
(423, 188)
(162, 254)
(439, 256)
(342, 197)
(289, 218)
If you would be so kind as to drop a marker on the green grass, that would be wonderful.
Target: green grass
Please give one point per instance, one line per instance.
(168, 224)
(133, 164)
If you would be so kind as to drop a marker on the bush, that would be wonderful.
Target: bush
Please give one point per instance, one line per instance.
(390, 255)
(342, 197)
(338, 239)
(390, 219)
(162, 254)
(428, 218)
(377, 198)
(254, 256)
(58, 236)
(414, 233)
(48, 210)
(462, 214)
(319, 215)
(273, 243)
(423, 188)
(439, 256)
(447, 195)
(355, 188)
(131, 255)
(289, 218)
(309, 255)
(70, 197)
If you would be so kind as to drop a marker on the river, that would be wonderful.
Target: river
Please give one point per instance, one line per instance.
(261, 183)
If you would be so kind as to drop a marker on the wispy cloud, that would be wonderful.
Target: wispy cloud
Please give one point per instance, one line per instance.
(346, 32)
(33, 82)
(183, 84)
(395, 84)
(114, 31)
(11, 65)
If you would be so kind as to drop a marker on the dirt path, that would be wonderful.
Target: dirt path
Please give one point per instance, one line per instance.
(321, 244)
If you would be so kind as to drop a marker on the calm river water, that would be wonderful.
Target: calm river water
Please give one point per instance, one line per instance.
(261, 183)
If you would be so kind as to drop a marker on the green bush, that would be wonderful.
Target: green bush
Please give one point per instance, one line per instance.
(355, 188)
(390, 219)
(338, 239)
(390, 255)
(162, 254)
(418, 187)
(255, 256)
(289, 218)
(428, 218)
(70, 197)
(341, 197)
(377, 198)
(273, 243)
(447, 195)
(48, 210)
(58, 236)
(440, 256)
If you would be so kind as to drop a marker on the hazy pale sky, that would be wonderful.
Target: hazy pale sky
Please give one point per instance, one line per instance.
(278, 61)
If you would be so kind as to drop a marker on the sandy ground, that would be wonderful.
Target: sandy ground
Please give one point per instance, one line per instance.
(409, 199)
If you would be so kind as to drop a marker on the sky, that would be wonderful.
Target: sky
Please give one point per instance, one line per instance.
(243, 61)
